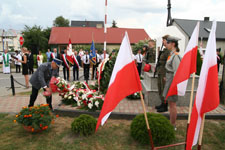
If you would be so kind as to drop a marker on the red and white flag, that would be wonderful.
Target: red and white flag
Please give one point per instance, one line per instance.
(123, 82)
(69, 55)
(187, 66)
(207, 96)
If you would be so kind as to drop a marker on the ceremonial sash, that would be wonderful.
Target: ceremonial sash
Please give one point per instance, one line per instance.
(75, 60)
(53, 56)
(6, 60)
(65, 62)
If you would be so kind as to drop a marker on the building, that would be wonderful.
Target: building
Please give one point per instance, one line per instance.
(10, 38)
(81, 36)
(183, 29)
(97, 24)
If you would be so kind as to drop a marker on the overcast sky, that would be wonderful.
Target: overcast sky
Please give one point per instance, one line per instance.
(148, 14)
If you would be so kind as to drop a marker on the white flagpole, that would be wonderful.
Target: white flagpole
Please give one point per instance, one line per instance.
(105, 28)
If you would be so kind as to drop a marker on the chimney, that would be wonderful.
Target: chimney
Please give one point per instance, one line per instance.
(206, 18)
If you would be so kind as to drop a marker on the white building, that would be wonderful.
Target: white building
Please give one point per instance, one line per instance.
(183, 28)
(10, 38)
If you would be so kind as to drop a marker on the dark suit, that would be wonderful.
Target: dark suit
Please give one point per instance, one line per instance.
(40, 79)
(76, 68)
(30, 63)
(65, 69)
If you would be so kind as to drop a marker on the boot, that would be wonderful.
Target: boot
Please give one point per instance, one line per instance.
(159, 106)
(164, 108)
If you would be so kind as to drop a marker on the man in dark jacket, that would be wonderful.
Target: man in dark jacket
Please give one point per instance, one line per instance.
(76, 66)
(41, 79)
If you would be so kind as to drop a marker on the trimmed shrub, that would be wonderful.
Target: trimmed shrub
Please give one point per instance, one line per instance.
(162, 131)
(84, 125)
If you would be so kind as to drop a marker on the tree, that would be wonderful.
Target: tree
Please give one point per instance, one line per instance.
(114, 24)
(34, 38)
(61, 22)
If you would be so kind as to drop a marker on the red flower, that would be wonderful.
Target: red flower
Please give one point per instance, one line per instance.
(85, 103)
(90, 96)
(57, 116)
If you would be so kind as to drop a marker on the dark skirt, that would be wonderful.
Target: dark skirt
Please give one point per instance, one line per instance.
(24, 69)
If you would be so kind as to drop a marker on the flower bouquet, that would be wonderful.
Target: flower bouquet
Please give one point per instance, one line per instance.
(36, 118)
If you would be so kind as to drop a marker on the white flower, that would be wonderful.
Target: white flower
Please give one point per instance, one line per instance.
(60, 85)
(76, 99)
(78, 103)
(90, 105)
(65, 96)
(135, 94)
(84, 96)
(69, 97)
(91, 99)
(96, 103)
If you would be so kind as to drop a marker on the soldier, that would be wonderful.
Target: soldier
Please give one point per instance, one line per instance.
(41, 79)
(86, 65)
(172, 64)
(149, 52)
(161, 72)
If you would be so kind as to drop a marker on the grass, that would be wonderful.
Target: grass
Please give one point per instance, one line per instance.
(115, 135)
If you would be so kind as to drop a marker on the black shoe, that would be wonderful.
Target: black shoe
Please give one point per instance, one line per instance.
(159, 106)
(164, 108)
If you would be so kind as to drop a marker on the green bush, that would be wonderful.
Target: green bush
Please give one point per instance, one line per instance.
(162, 131)
(84, 125)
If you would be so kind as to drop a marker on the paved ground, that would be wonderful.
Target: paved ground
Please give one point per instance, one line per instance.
(13, 104)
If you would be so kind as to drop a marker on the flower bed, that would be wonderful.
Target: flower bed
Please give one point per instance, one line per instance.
(35, 118)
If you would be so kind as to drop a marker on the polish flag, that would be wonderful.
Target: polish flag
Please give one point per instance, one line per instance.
(123, 82)
(69, 55)
(187, 66)
(207, 96)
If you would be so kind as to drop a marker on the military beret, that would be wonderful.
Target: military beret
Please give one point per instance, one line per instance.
(172, 39)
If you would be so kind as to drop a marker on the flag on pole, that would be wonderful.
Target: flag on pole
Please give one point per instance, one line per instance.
(207, 96)
(187, 66)
(69, 55)
(93, 53)
(123, 82)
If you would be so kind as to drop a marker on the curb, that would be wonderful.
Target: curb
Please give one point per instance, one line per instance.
(127, 116)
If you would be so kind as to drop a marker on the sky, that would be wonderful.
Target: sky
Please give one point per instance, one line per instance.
(148, 14)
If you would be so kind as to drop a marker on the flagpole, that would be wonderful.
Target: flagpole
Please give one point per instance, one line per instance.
(190, 104)
(105, 28)
(201, 133)
(146, 120)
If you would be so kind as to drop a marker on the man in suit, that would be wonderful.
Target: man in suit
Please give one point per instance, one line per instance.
(41, 79)
(65, 66)
(54, 54)
(139, 59)
(76, 66)
(30, 62)
(86, 65)
(98, 58)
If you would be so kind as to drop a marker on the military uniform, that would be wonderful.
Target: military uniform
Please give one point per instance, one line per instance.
(161, 71)
(172, 64)
(150, 56)
(41, 79)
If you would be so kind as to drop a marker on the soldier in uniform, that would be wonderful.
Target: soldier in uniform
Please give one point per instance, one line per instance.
(149, 52)
(41, 79)
(161, 72)
(172, 64)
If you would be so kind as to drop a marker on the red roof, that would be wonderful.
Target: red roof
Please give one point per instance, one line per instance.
(83, 35)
